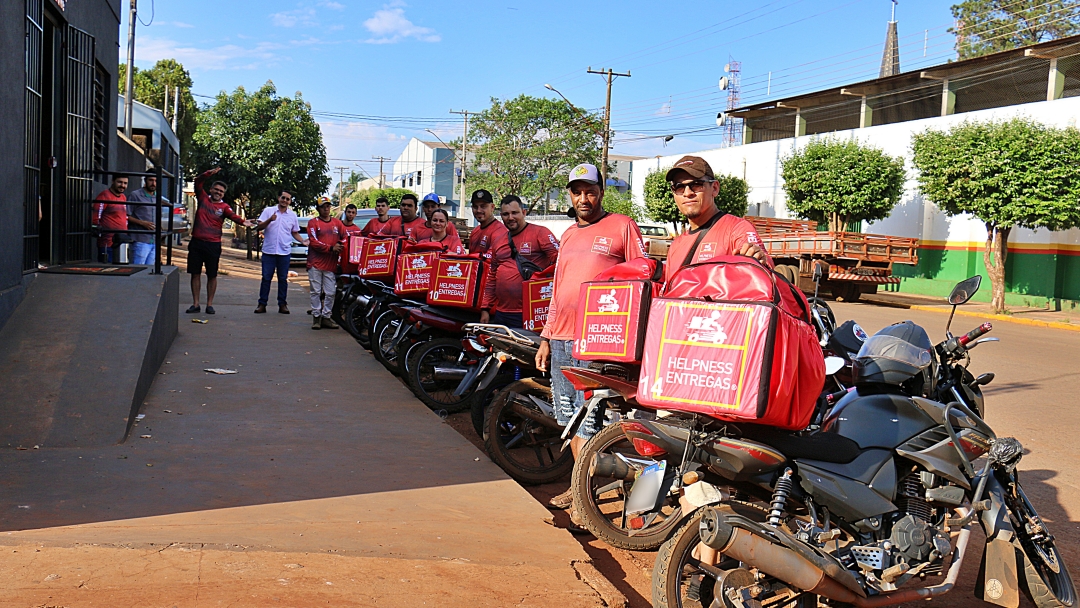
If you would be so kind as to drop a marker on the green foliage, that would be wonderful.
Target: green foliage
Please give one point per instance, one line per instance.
(365, 199)
(149, 86)
(263, 142)
(527, 146)
(622, 202)
(1006, 174)
(989, 26)
(660, 202)
(838, 182)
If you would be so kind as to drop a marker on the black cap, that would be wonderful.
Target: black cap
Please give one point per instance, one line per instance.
(482, 195)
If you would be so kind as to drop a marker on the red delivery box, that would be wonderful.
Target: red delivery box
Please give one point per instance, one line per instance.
(459, 281)
(376, 256)
(612, 311)
(415, 268)
(536, 298)
(734, 343)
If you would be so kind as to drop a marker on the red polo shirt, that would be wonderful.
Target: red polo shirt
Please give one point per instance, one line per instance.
(414, 230)
(726, 235)
(535, 244)
(482, 238)
(108, 215)
(322, 236)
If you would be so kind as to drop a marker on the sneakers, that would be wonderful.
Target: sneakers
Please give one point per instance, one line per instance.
(209, 309)
(327, 323)
(562, 501)
(316, 323)
(283, 309)
(260, 309)
(193, 309)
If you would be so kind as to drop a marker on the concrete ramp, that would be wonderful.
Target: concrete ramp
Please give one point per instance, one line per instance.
(79, 355)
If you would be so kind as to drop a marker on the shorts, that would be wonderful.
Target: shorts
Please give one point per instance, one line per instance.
(203, 252)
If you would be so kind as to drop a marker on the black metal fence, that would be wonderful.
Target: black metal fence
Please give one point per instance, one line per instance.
(158, 204)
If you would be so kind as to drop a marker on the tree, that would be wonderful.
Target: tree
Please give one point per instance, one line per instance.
(989, 26)
(622, 202)
(527, 146)
(263, 143)
(839, 182)
(1010, 174)
(150, 89)
(660, 202)
(365, 199)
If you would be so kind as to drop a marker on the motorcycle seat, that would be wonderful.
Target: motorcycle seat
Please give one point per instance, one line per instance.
(825, 447)
(535, 337)
(457, 314)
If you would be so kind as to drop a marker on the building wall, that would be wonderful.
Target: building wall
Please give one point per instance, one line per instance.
(1042, 266)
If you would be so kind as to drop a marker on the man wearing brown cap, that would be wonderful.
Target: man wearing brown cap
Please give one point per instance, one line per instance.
(712, 232)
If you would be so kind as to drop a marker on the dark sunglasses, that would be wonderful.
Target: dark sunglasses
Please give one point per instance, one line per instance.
(697, 185)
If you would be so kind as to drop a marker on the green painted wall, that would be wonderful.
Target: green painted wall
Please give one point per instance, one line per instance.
(1031, 279)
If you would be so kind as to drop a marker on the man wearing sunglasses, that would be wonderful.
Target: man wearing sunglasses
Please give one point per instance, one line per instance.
(712, 232)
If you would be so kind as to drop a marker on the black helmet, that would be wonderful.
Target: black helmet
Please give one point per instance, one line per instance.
(901, 355)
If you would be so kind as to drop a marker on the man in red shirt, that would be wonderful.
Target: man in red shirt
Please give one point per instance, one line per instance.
(205, 244)
(712, 232)
(326, 239)
(483, 236)
(532, 245)
(382, 207)
(109, 212)
(407, 224)
(598, 241)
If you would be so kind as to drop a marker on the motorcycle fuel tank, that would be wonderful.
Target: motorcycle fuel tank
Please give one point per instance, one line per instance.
(876, 421)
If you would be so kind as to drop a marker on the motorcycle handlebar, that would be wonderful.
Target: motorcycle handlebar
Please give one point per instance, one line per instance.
(975, 334)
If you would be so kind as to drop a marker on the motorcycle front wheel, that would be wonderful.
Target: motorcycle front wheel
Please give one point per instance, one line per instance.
(600, 500)
(437, 393)
(529, 451)
(382, 341)
(1046, 577)
(355, 322)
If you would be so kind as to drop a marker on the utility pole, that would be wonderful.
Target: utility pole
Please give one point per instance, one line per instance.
(464, 158)
(341, 181)
(129, 77)
(175, 107)
(610, 75)
(382, 182)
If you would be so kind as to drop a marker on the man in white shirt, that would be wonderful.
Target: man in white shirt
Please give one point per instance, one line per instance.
(281, 227)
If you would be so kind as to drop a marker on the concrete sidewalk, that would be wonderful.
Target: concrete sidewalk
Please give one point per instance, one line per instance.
(1042, 317)
(311, 477)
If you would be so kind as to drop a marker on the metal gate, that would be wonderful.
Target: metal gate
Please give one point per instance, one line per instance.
(32, 131)
(79, 85)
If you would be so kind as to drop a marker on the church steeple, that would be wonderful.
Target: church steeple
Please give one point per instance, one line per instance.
(890, 59)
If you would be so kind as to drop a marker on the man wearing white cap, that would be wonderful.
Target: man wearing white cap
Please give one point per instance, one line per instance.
(598, 241)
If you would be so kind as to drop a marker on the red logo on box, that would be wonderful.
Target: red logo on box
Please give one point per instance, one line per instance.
(415, 271)
(456, 282)
(605, 328)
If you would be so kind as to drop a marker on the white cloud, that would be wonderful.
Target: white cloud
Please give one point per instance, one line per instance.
(223, 57)
(663, 110)
(337, 6)
(389, 25)
(300, 16)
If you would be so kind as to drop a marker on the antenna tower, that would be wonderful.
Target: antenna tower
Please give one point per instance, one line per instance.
(732, 127)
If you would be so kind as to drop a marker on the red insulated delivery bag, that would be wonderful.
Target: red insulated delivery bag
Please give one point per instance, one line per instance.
(733, 340)
(415, 268)
(612, 310)
(375, 255)
(459, 281)
(536, 298)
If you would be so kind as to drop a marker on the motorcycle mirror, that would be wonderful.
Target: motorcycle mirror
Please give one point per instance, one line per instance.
(985, 379)
(833, 365)
(964, 290)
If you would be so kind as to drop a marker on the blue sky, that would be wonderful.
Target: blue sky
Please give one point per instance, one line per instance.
(410, 63)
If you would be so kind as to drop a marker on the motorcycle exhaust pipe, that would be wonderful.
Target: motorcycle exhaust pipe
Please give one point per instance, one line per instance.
(607, 465)
(449, 373)
(806, 570)
(535, 416)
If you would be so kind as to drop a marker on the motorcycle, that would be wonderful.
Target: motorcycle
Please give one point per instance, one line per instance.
(874, 509)
(515, 414)
(430, 355)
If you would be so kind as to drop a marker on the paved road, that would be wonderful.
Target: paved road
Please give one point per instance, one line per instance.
(310, 477)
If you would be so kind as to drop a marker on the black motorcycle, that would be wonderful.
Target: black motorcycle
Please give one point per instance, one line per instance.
(874, 509)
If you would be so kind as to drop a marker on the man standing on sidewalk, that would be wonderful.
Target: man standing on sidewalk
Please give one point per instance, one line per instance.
(596, 242)
(406, 224)
(110, 213)
(143, 216)
(281, 227)
(205, 244)
(482, 238)
(326, 239)
(374, 225)
(529, 248)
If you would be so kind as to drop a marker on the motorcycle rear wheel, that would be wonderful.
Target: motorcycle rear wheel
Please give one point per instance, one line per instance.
(437, 394)
(354, 321)
(481, 404)
(383, 340)
(600, 501)
(1046, 577)
(528, 451)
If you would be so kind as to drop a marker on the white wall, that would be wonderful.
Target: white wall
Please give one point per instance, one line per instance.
(416, 156)
(759, 164)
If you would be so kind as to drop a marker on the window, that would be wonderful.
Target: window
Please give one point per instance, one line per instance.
(410, 180)
(419, 175)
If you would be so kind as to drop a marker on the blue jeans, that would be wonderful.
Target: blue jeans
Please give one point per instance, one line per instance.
(567, 399)
(144, 254)
(271, 263)
(509, 319)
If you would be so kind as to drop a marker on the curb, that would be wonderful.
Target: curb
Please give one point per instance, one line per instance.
(1006, 318)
